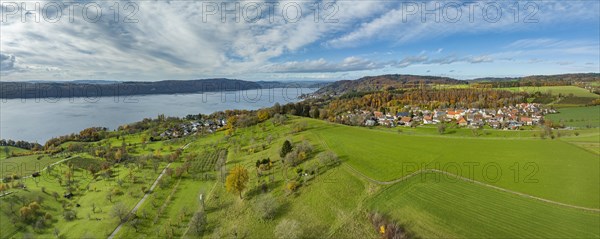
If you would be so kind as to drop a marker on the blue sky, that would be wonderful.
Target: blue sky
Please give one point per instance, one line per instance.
(350, 39)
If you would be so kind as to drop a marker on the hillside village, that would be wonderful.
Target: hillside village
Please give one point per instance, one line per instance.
(208, 126)
(511, 117)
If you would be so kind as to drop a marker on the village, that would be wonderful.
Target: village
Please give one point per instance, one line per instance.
(507, 117)
(208, 126)
(512, 117)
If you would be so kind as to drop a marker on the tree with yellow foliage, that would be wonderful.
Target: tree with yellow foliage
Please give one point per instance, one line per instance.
(236, 180)
(232, 121)
(263, 115)
(3, 187)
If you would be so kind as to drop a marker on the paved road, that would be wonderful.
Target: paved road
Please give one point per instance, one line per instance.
(137, 206)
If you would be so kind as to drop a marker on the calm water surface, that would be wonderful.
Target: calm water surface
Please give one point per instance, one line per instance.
(41, 119)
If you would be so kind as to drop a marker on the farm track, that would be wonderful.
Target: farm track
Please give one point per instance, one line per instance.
(45, 168)
(55, 163)
(208, 197)
(467, 180)
(137, 206)
(422, 171)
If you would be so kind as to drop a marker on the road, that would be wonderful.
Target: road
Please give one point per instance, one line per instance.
(137, 206)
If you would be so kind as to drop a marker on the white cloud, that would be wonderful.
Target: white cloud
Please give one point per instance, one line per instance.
(171, 40)
(7, 62)
(321, 65)
(400, 24)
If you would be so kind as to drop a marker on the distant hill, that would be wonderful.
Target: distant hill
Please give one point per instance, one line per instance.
(23, 90)
(579, 77)
(383, 82)
(390, 82)
(302, 84)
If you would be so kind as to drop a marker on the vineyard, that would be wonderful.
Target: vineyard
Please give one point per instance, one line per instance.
(208, 160)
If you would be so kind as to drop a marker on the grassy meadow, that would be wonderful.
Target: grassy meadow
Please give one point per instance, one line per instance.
(333, 202)
(554, 90)
(580, 117)
(458, 209)
(527, 165)
(11, 149)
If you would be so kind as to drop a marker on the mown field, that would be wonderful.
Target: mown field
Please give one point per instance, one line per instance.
(528, 165)
(580, 117)
(453, 131)
(590, 143)
(458, 209)
(10, 150)
(26, 165)
(443, 209)
(554, 90)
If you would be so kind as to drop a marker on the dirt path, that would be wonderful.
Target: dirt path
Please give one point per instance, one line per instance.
(467, 180)
(55, 163)
(137, 206)
(372, 180)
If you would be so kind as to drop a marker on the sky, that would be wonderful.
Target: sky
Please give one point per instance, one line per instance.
(295, 40)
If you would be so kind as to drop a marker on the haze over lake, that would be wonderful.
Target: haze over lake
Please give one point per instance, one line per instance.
(41, 119)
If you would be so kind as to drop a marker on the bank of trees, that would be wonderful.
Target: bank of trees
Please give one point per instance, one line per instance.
(20, 144)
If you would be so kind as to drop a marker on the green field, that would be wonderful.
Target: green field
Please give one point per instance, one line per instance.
(26, 165)
(590, 143)
(333, 203)
(554, 90)
(11, 150)
(581, 117)
(422, 207)
(459, 209)
(387, 156)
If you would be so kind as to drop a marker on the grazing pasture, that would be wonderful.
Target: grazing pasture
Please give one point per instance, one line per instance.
(550, 169)
(580, 117)
(554, 90)
(458, 209)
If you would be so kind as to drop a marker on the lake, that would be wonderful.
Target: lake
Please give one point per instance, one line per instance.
(37, 120)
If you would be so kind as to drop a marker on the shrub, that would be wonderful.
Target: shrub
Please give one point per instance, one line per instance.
(299, 127)
(328, 158)
(70, 215)
(386, 227)
(266, 207)
(291, 186)
(288, 229)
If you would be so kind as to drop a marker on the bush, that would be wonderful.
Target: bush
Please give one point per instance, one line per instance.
(70, 215)
(291, 186)
(288, 229)
(117, 192)
(266, 207)
(386, 227)
(299, 127)
(328, 158)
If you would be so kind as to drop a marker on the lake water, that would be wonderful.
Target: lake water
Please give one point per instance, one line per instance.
(41, 119)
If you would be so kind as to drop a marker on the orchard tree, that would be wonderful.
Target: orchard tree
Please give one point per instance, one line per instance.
(198, 222)
(288, 229)
(263, 115)
(236, 180)
(285, 149)
(120, 210)
(266, 207)
(441, 128)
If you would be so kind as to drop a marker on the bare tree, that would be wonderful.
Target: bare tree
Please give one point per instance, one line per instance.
(120, 211)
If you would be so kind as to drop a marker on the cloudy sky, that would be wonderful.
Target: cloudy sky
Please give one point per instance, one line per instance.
(295, 40)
